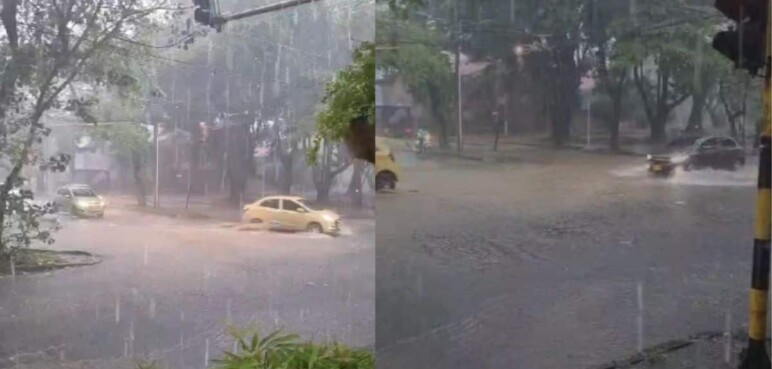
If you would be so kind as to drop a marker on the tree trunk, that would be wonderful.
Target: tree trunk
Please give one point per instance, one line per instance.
(139, 183)
(657, 129)
(355, 185)
(442, 123)
(285, 187)
(733, 127)
(564, 87)
(616, 115)
(323, 191)
(696, 114)
(496, 137)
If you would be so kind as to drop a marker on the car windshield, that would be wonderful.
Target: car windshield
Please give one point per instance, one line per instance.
(83, 192)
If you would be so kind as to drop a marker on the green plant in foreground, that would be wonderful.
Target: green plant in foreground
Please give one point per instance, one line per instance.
(285, 351)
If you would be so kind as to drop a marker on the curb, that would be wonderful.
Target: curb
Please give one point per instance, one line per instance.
(47, 268)
(185, 214)
(662, 349)
(492, 156)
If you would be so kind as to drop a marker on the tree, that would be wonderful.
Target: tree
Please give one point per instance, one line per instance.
(608, 18)
(355, 183)
(349, 111)
(131, 144)
(665, 71)
(48, 46)
(420, 62)
(331, 163)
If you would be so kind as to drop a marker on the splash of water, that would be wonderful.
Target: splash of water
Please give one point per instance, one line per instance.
(146, 254)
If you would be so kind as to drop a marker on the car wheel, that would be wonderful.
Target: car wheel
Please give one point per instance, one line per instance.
(314, 228)
(385, 181)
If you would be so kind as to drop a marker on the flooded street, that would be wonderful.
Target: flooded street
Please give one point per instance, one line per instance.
(560, 260)
(167, 289)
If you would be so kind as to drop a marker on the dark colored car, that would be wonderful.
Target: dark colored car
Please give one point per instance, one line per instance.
(715, 152)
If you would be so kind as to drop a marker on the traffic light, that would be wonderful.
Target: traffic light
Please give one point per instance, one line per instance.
(744, 45)
(206, 13)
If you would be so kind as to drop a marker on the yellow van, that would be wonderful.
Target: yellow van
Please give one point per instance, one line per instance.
(387, 171)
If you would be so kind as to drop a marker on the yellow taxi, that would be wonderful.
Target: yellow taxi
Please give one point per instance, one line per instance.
(290, 213)
(387, 171)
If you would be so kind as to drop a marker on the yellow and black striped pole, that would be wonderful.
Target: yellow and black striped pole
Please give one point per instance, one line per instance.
(757, 356)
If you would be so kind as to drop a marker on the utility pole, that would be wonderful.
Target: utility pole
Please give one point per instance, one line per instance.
(460, 133)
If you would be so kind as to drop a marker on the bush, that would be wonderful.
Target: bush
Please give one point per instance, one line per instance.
(287, 351)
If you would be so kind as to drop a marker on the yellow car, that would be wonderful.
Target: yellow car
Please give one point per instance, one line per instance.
(387, 171)
(80, 200)
(290, 213)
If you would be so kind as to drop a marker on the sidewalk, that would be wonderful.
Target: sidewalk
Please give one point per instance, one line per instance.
(517, 148)
(701, 351)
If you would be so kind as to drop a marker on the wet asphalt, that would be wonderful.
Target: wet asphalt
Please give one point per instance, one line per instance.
(539, 263)
(166, 290)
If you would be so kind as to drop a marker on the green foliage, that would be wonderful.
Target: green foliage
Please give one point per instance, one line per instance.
(127, 138)
(419, 62)
(349, 96)
(286, 351)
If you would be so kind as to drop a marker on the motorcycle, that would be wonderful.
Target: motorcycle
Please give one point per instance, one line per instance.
(661, 166)
(422, 142)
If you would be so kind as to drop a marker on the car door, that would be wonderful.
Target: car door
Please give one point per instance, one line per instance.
(297, 216)
(731, 153)
(268, 212)
(707, 153)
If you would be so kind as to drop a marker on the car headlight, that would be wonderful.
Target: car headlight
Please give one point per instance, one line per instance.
(328, 217)
(648, 157)
(80, 203)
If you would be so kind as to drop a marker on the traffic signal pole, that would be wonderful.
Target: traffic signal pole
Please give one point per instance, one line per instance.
(757, 356)
(265, 9)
